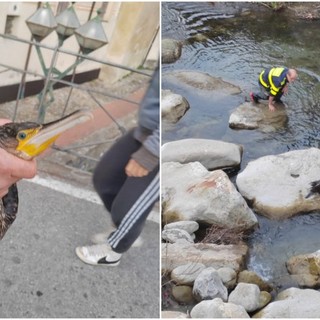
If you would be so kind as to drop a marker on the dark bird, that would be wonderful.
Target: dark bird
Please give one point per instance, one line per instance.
(27, 140)
(315, 188)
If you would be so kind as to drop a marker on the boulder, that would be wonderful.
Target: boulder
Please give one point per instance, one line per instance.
(246, 295)
(173, 235)
(293, 303)
(191, 192)
(182, 294)
(277, 186)
(264, 299)
(174, 255)
(258, 116)
(216, 308)
(228, 277)
(247, 276)
(189, 226)
(173, 106)
(212, 154)
(187, 273)
(208, 286)
(201, 81)
(305, 269)
(170, 50)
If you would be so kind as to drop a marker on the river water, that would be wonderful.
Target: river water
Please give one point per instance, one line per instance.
(229, 41)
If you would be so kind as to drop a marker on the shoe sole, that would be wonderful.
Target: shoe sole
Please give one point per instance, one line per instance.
(84, 259)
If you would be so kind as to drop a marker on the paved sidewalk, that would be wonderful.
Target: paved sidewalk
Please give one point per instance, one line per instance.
(42, 277)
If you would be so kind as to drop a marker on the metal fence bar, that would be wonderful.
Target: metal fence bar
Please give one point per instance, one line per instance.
(50, 79)
(77, 86)
(75, 54)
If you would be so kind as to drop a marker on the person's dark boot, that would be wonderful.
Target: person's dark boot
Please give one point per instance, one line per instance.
(253, 98)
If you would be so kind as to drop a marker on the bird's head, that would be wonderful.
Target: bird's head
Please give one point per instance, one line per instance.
(28, 139)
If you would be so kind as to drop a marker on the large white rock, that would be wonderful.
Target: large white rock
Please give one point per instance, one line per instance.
(211, 255)
(173, 106)
(258, 116)
(208, 285)
(212, 154)
(277, 185)
(293, 303)
(191, 192)
(187, 273)
(246, 295)
(216, 308)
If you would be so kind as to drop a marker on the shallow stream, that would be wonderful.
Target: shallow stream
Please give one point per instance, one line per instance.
(234, 42)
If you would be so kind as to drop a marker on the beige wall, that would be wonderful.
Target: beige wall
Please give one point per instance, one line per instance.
(131, 28)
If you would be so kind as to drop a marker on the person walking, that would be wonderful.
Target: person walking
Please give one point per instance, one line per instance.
(274, 82)
(127, 181)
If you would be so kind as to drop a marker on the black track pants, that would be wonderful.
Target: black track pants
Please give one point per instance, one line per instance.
(129, 200)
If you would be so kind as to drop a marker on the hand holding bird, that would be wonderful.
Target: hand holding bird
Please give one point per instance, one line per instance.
(26, 140)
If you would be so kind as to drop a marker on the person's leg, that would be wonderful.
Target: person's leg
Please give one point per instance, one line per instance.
(131, 208)
(261, 95)
(129, 212)
(109, 174)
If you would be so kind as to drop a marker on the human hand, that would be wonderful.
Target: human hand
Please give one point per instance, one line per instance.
(272, 107)
(12, 168)
(134, 169)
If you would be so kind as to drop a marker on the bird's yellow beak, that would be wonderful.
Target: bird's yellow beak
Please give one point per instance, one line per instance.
(33, 141)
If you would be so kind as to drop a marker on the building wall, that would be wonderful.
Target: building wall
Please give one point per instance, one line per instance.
(131, 28)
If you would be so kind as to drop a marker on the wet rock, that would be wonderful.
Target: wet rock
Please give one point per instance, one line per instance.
(305, 269)
(170, 50)
(277, 185)
(191, 192)
(246, 295)
(212, 154)
(183, 294)
(257, 116)
(173, 235)
(208, 285)
(189, 226)
(201, 81)
(247, 276)
(211, 255)
(293, 303)
(216, 308)
(228, 277)
(187, 273)
(173, 106)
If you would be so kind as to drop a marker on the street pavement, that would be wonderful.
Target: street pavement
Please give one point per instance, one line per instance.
(41, 276)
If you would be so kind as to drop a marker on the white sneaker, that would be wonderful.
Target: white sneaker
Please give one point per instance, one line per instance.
(99, 254)
(102, 237)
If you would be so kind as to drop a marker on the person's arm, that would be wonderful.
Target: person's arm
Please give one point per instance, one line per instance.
(271, 106)
(146, 158)
(12, 168)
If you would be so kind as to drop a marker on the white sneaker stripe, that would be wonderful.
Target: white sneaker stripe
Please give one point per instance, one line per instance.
(145, 200)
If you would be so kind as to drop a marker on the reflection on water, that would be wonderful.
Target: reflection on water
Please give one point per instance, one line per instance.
(226, 40)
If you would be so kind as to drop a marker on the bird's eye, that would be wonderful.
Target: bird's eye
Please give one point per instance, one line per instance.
(22, 135)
